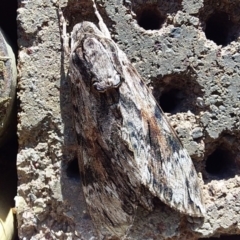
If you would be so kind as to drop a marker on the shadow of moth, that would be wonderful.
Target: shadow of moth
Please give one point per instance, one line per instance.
(128, 152)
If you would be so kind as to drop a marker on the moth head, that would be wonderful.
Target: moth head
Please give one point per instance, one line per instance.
(80, 29)
(95, 57)
(99, 61)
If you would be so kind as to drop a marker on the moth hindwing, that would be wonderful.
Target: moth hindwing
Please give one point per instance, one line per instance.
(126, 145)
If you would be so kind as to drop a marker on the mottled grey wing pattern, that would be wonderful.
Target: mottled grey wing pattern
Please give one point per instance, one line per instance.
(126, 145)
(110, 198)
(166, 168)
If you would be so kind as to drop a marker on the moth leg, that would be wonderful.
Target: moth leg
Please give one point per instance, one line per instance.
(101, 23)
(64, 34)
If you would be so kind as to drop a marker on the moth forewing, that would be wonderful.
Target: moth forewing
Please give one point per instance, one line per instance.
(171, 175)
(128, 152)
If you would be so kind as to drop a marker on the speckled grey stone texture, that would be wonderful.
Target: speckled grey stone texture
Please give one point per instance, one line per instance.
(194, 79)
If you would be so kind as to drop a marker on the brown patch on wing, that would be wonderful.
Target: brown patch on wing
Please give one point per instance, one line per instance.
(156, 134)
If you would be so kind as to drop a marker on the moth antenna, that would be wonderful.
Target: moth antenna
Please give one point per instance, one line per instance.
(64, 34)
(101, 23)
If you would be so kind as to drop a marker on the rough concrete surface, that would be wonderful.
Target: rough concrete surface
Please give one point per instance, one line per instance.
(189, 53)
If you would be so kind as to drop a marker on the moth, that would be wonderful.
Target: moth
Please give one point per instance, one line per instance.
(128, 153)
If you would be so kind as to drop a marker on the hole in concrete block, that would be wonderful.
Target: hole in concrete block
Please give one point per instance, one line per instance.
(221, 163)
(151, 15)
(171, 100)
(79, 11)
(221, 21)
(150, 19)
(73, 169)
(76, 12)
(218, 28)
(177, 93)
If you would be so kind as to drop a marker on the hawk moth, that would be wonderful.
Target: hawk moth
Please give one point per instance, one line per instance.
(128, 153)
